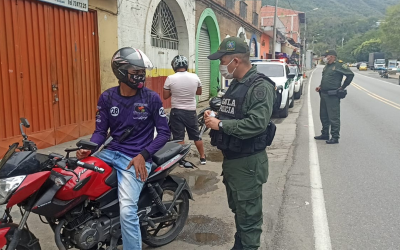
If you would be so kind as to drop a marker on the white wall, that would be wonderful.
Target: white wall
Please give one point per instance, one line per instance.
(134, 29)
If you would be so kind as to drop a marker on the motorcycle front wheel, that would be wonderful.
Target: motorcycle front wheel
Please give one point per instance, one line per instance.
(28, 241)
(165, 232)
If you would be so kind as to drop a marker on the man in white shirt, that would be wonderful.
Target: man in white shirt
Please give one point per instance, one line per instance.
(183, 87)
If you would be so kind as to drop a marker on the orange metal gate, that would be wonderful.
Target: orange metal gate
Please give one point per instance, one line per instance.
(49, 72)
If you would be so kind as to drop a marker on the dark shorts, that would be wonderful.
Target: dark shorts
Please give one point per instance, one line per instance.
(180, 120)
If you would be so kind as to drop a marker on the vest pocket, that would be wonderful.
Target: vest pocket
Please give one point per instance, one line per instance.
(214, 137)
(260, 142)
(235, 144)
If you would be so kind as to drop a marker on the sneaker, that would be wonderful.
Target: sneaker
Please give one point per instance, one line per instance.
(203, 161)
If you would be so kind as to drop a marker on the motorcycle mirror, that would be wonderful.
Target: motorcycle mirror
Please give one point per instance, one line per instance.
(25, 122)
(88, 145)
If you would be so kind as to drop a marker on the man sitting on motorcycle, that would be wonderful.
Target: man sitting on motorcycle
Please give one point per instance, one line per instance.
(130, 112)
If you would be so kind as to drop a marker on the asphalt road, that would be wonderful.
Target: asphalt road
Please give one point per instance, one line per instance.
(360, 176)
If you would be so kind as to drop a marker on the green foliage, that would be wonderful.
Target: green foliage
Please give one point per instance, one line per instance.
(355, 22)
(363, 50)
(347, 53)
(391, 31)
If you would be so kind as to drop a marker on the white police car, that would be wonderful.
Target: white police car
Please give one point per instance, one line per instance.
(279, 72)
(298, 80)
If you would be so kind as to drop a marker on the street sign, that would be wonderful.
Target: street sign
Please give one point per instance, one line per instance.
(82, 5)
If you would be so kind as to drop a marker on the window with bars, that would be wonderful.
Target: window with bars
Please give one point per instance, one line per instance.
(255, 19)
(163, 28)
(230, 4)
(243, 9)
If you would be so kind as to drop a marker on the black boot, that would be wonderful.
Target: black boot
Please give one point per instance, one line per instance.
(238, 243)
(333, 141)
(322, 137)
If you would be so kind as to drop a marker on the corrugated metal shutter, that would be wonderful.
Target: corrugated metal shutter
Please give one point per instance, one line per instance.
(47, 53)
(204, 65)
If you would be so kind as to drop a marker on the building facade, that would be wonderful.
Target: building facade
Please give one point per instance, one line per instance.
(55, 61)
(162, 29)
(216, 20)
(288, 29)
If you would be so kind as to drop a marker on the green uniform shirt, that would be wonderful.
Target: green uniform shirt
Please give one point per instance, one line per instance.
(257, 108)
(332, 76)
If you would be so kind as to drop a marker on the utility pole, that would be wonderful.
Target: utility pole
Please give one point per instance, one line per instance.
(274, 38)
(305, 43)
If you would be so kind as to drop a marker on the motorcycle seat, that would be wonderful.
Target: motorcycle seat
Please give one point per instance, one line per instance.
(170, 150)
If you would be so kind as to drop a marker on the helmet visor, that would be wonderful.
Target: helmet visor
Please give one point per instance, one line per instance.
(139, 60)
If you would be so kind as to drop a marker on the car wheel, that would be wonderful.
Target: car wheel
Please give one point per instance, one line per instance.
(301, 89)
(292, 103)
(283, 113)
(298, 94)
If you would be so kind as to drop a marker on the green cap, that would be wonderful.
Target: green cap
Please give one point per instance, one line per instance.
(229, 46)
(330, 52)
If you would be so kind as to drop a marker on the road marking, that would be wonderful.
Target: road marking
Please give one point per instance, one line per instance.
(320, 220)
(377, 79)
(384, 101)
(370, 92)
(378, 97)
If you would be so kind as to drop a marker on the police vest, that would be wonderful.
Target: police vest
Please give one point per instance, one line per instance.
(232, 109)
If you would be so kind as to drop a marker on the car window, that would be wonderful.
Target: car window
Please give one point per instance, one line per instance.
(363, 64)
(271, 70)
(293, 70)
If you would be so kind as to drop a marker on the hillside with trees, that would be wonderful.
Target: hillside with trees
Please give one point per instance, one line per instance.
(361, 26)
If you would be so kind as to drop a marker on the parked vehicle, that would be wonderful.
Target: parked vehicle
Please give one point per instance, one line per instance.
(376, 61)
(363, 66)
(298, 80)
(392, 64)
(79, 199)
(279, 71)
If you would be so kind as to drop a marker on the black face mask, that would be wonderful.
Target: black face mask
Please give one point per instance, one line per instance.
(136, 81)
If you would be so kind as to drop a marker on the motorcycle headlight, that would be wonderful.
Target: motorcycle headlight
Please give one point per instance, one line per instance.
(8, 186)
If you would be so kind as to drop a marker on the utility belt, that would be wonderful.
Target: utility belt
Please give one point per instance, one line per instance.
(234, 148)
(341, 93)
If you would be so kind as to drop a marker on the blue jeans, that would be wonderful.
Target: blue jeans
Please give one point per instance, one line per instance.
(129, 188)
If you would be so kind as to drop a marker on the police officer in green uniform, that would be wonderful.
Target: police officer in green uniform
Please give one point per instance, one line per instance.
(332, 77)
(240, 132)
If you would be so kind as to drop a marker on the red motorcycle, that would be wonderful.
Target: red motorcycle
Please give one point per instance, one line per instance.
(79, 199)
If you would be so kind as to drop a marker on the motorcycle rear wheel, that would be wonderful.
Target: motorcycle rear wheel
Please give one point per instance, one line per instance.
(26, 238)
(173, 229)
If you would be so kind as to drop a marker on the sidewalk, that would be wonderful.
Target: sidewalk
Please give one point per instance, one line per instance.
(210, 224)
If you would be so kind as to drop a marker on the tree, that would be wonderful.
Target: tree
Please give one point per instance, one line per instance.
(361, 53)
(347, 52)
(391, 30)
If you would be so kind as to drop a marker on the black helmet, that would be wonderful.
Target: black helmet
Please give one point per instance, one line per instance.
(130, 59)
(179, 61)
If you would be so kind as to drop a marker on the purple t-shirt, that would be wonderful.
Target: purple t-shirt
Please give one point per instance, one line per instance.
(144, 112)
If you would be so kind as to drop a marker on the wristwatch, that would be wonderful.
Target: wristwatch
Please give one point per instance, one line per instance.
(220, 125)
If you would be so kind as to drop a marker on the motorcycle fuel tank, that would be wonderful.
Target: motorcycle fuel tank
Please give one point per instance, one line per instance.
(91, 184)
